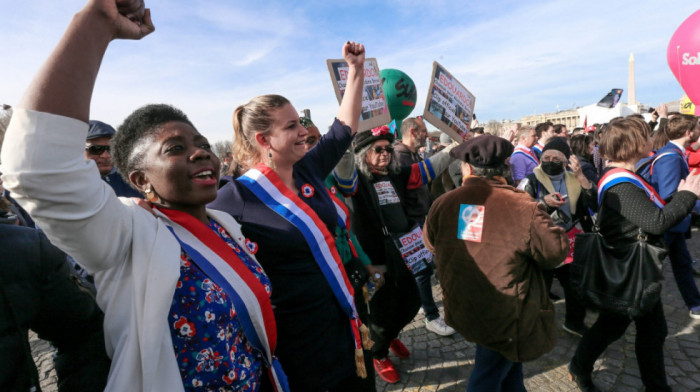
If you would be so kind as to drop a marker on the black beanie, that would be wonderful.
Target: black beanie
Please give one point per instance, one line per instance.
(560, 144)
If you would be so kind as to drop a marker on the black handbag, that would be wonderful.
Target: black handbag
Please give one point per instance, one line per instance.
(623, 281)
(356, 272)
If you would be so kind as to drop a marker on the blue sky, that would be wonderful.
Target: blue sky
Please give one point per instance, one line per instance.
(207, 57)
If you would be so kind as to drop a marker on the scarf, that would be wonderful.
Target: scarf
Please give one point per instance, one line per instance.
(572, 186)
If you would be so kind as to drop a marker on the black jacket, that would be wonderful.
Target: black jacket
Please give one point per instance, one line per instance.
(417, 201)
(38, 291)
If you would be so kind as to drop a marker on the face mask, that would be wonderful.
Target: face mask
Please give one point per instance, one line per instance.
(553, 168)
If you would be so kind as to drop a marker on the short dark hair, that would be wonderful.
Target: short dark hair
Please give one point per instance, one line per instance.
(138, 126)
(679, 124)
(559, 128)
(542, 127)
(579, 145)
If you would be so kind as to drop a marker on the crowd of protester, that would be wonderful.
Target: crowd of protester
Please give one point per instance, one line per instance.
(151, 264)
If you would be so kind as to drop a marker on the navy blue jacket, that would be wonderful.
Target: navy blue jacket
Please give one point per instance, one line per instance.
(667, 173)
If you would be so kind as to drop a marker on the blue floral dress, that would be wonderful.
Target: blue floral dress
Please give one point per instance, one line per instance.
(211, 349)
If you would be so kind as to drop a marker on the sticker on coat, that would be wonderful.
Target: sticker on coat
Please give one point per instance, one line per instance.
(471, 222)
(386, 193)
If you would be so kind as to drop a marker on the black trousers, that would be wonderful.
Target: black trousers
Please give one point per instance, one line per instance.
(649, 343)
(575, 310)
(392, 308)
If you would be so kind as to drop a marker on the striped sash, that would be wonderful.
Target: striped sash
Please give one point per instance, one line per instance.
(223, 266)
(343, 218)
(538, 147)
(618, 175)
(268, 187)
(529, 154)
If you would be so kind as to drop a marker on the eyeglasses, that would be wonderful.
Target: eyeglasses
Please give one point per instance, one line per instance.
(96, 150)
(380, 150)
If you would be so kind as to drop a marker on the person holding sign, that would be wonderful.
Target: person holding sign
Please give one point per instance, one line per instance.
(186, 305)
(391, 239)
(288, 220)
(406, 153)
(491, 243)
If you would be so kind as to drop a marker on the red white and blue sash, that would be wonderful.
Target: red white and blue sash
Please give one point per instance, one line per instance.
(528, 154)
(343, 218)
(538, 147)
(268, 187)
(223, 266)
(619, 175)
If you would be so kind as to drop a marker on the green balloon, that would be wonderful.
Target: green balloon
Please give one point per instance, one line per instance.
(400, 92)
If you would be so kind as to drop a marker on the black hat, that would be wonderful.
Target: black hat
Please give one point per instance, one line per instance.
(99, 129)
(363, 139)
(559, 144)
(486, 151)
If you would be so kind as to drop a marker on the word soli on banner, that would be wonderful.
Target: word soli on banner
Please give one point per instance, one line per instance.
(375, 111)
(449, 105)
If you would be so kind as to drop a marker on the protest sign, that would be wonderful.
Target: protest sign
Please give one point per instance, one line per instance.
(413, 250)
(375, 111)
(449, 105)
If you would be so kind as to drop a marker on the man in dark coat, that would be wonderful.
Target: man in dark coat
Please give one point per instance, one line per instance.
(491, 242)
(39, 291)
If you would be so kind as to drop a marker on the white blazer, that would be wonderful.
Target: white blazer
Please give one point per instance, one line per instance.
(133, 256)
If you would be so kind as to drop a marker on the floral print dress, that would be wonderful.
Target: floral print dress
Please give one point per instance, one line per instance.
(211, 348)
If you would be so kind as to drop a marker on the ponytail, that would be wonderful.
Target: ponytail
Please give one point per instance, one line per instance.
(250, 119)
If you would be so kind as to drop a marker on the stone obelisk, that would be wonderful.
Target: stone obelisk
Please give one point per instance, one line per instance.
(631, 97)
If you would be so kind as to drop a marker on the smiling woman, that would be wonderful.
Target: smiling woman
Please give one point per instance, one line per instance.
(288, 218)
(168, 281)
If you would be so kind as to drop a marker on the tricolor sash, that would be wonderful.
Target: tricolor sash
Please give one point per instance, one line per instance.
(529, 154)
(618, 175)
(538, 147)
(343, 219)
(268, 187)
(224, 267)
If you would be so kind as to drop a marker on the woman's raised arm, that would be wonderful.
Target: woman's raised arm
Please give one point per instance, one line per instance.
(65, 82)
(351, 105)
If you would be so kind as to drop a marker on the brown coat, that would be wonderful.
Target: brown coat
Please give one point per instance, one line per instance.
(493, 291)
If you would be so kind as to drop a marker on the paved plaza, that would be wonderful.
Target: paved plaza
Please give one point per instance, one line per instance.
(444, 363)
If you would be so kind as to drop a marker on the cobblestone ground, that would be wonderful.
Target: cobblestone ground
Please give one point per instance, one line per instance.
(444, 363)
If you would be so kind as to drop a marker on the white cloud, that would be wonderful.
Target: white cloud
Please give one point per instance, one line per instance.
(209, 57)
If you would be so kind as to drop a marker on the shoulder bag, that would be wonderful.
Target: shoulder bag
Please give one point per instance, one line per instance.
(625, 281)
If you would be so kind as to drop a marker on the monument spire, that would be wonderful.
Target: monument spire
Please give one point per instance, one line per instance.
(631, 97)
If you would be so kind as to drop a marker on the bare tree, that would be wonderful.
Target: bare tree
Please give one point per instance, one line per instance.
(221, 148)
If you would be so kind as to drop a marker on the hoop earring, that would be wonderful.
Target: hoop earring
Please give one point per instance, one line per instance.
(270, 162)
(151, 195)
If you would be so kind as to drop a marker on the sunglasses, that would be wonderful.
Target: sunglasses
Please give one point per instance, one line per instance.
(96, 150)
(388, 149)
